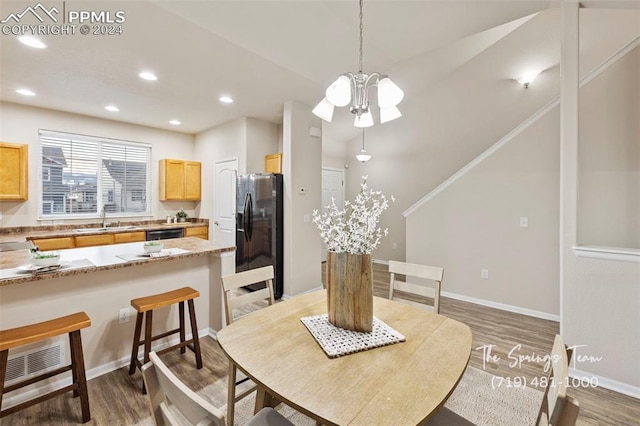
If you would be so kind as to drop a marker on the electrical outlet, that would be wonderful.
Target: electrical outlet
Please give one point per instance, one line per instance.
(524, 222)
(394, 246)
(123, 315)
(484, 274)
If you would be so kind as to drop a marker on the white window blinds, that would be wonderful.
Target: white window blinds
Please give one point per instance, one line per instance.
(81, 175)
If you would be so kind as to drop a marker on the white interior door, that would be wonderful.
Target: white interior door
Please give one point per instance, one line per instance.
(225, 202)
(332, 186)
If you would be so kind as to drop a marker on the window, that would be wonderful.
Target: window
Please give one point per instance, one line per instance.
(87, 174)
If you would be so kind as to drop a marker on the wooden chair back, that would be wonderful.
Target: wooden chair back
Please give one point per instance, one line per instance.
(558, 409)
(171, 400)
(430, 288)
(235, 300)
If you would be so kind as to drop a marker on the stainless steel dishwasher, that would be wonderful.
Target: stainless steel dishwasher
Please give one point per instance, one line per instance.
(165, 234)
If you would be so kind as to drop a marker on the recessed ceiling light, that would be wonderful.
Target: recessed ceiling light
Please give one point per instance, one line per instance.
(148, 76)
(112, 108)
(225, 99)
(32, 42)
(25, 92)
(175, 122)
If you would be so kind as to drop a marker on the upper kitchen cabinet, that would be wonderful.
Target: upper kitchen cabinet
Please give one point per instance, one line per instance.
(180, 180)
(13, 171)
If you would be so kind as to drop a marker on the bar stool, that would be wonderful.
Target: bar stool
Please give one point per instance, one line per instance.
(20, 336)
(145, 306)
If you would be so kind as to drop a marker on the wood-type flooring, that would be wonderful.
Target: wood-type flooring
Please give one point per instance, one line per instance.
(116, 399)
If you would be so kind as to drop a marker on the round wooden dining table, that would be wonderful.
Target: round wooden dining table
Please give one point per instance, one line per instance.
(399, 384)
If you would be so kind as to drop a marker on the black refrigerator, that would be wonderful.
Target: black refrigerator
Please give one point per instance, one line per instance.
(259, 225)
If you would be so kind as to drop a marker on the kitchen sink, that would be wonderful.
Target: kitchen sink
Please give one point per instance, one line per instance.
(103, 229)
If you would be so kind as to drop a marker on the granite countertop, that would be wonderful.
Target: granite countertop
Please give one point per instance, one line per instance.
(61, 231)
(101, 258)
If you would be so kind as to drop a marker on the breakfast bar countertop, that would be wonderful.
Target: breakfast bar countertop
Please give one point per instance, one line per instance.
(105, 257)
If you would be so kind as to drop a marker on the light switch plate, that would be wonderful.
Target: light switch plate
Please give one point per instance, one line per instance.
(524, 222)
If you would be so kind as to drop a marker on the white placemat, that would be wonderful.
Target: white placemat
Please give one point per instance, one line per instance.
(336, 341)
(22, 271)
(142, 255)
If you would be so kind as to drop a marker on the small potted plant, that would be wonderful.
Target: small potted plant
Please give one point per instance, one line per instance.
(181, 216)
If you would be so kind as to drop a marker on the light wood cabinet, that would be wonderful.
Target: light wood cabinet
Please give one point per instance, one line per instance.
(129, 237)
(197, 231)
(60, 243)
(13, 171)
(180, 180)
(94, 240)
(273, 163)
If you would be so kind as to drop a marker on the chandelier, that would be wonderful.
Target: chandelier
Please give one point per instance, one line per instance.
(363, 156)
(352, 88)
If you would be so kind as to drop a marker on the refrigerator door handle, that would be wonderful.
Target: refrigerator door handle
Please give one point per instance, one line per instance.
(245, 219)
(250, 221)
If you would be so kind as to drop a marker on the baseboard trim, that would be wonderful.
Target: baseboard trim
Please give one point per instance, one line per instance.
(614, 385)
(42, 388)
(502, 306)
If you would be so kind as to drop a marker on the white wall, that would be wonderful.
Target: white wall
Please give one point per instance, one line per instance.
(20, 124)
(223, 142)
(454, 120)
(600, 299)
(302, 169)
(609, 157)
(474, 224)
(261, 139)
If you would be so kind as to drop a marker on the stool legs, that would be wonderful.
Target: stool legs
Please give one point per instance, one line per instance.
(79, 377)
(79, 385)
(182, 332)
(147, 317)
(3, 370)
(194, 332)
(148, 323)
(136, 343)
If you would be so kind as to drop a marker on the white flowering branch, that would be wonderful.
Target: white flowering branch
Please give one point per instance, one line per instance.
(353, 229)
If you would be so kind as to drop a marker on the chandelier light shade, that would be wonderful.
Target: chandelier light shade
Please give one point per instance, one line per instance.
(363, 156)
(353, 89)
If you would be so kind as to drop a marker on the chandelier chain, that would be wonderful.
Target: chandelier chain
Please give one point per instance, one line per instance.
(360, 64)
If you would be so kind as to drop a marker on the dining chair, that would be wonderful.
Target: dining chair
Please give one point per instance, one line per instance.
(430, 288)
(173, 403)
(17, 245)
(557, 408)
(236, 298)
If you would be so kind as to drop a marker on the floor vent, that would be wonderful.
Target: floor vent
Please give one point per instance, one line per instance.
(37, 361)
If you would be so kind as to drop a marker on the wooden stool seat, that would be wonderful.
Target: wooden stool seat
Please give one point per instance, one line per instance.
(15, 337)
(144, 304)
(145, 307)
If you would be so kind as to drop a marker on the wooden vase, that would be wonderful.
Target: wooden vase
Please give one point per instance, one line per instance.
(350, 291)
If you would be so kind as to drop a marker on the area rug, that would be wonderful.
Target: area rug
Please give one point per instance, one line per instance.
(479, 398)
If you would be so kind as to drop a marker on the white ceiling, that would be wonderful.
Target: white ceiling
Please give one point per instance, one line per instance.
(262, 53)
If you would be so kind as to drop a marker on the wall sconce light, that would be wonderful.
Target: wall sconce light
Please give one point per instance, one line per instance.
(527, 78)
